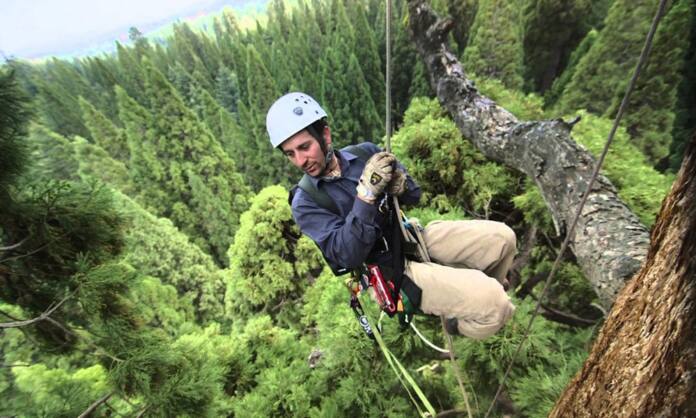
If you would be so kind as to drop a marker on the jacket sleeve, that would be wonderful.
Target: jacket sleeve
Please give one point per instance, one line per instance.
(344, 242)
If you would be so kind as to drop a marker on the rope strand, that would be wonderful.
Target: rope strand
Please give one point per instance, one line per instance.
(624, 103)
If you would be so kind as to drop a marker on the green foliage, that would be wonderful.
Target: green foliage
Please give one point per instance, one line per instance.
(601, 71)
(271, 261)
(159, 305)
(14, 114)
(95, 163)
(552, 95)
(610, 61)
(103, 132)
(141, 275)
(495, 47)
(444, 163)
(546, 52)
(649, 117)
(185, 170)
(550, 356)
(463, 13)
(640, 185)
(156, 248)
(65, 229)
(42, 391)
(532, 205)
(53, 155)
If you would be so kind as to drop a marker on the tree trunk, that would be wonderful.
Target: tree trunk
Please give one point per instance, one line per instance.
(609, 242)
(643, 363)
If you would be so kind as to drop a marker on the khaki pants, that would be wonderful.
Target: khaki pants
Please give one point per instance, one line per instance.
(470, 259)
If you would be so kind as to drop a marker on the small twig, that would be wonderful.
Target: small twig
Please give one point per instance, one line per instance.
(141, 413)
(95, 405)
(451, 413)
(13, 246)
(9, 366)
(45, 315)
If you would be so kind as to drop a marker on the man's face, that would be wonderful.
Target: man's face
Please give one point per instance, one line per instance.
(304, 152)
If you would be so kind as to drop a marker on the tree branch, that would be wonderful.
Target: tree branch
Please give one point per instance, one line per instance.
(45, 315)
(609, 242)
(13, 246)
(95, 405)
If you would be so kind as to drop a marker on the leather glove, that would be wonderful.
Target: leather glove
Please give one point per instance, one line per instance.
(376, 176)
(397, 185)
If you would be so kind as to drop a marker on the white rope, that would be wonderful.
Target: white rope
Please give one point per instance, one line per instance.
(425, 340)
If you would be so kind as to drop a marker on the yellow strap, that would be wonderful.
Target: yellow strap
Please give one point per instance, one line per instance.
(402, 374)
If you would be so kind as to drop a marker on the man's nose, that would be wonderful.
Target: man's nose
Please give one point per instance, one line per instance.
(301, 159)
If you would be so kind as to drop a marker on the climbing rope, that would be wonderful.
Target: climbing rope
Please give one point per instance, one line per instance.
(424, 250)
(641, 62)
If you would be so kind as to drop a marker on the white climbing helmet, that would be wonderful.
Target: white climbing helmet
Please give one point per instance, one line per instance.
(290, 114)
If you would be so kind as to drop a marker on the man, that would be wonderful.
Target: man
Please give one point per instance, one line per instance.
(470, 258)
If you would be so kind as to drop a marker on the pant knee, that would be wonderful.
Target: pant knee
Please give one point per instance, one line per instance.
(489, 322)
(508, 238)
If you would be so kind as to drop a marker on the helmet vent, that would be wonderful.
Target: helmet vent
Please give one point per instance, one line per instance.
(297, 111)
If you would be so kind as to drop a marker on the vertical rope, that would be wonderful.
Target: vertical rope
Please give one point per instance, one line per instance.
(388, 128)
(387, 83)
(624, 103)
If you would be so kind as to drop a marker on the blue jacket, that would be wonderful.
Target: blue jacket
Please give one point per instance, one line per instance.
(345, 239)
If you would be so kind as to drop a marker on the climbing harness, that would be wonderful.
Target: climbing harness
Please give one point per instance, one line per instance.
(624, 102)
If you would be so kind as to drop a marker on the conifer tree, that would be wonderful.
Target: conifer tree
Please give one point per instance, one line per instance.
(131, 76)
(463, 13)
(552, 95)
(177, 147)
(649, 117)
(95, 163)
(54, 155)
(610, 59)
(685, 113)
(344, 93)
(194, 52)
(155, 247)
(367, 53)
(495, 43)
(144, 169)
(609, 63)
(264, 166)
(546, 51)
(59, 86)
(404, 55)
(221, 123)
(271, 262)
(104, 133)
(103, 72)
(227, 89)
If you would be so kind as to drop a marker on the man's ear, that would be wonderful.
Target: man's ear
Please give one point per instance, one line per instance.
(327, 135)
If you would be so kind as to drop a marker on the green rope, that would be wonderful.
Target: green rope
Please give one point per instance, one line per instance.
(405, 378)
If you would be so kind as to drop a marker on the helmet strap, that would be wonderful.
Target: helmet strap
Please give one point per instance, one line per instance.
(326, 149)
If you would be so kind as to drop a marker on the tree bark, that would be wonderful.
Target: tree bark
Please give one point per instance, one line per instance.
(643, 363)
(609, 242)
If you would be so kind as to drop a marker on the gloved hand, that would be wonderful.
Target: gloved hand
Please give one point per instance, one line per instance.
(397, 185)
(376, 176)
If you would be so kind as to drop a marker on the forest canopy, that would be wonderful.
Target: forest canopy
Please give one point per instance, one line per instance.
(144, 221)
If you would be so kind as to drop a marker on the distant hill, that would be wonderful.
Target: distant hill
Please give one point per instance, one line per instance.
(247, 11)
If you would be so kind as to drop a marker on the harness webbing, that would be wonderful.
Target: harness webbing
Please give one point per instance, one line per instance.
(425, 408)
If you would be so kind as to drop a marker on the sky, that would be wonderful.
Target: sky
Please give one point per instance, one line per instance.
(31, 29)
